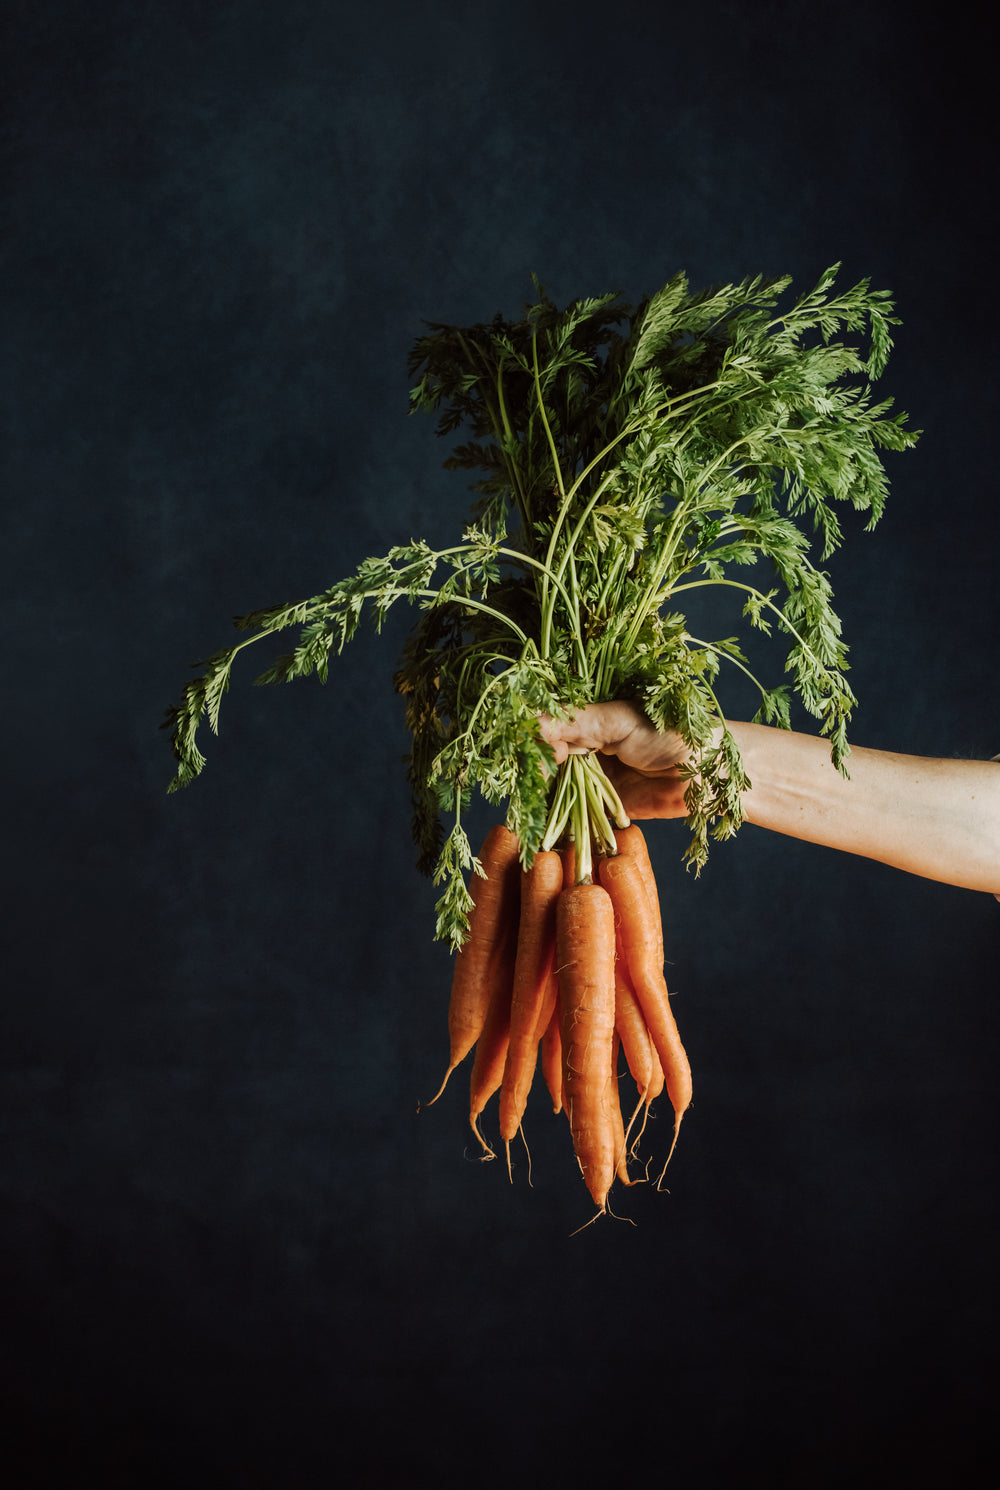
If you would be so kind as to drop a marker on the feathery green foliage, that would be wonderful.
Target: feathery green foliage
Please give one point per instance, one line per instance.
(623, 456)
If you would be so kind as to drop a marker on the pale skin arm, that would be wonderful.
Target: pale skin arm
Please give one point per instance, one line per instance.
(937, 818)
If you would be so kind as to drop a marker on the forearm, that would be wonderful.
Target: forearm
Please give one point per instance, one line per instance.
(931, 817)
(935, 818)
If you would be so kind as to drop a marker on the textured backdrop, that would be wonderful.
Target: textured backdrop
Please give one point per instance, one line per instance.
(233, 1255)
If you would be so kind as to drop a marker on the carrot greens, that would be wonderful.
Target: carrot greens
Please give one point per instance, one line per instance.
(625, 456)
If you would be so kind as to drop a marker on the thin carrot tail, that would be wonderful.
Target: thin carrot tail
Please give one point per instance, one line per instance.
(506, 1144)
(677, 1129)
(528, 1152)
(440, 1089)
(595, 1217)
(642, 1103)
(621, 1164)
(488, 1152)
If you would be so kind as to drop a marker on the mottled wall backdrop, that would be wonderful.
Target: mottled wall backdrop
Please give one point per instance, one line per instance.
(233, 1254)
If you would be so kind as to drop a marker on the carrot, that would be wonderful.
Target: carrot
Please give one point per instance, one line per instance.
(632, 843)
(621, 875)
(536, 946)
(491, 1047)
(646, 1069)
(614, 1103)
(630, 1026)
(550, 1006)
(552, 1057)
(585, 956)
(656, 1080)
(488, 923)
(640, 1053)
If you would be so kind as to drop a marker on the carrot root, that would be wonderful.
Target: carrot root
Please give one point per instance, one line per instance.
(488, 1152)
(566, 974)
(437, 1094)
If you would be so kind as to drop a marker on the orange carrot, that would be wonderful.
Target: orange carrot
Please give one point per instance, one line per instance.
(552, 1057)
(630, 1026)
(614, 1103)
(656, 1080)
(621, 875)
(550, 1006)
(585, 957)
(491, 1047)
(632, 843)
(640, 1052)
(536, 946)
(488, 924)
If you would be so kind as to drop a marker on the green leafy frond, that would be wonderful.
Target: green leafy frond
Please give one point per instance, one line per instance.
(711, 439)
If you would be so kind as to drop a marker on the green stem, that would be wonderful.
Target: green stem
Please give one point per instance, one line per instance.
(582, 801)
(581, 827)
(474, 604)
(611, 797)
(728, 657)
(602, 669)
(559, 811)
(545, 598)
(735, 584)
(650, 601)
(460, 688)
(572, 609)
(637, 425)
(601, 832)
(567, 497)
(568, 559)
(544, 416)
(452, 744)
(520, 494)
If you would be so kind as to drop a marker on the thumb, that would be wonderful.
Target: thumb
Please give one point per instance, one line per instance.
(549, 729)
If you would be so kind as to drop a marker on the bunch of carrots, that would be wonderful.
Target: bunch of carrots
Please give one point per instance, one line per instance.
(565, 966)
(625, 456)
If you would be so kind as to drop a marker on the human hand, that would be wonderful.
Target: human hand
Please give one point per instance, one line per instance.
(642, 763)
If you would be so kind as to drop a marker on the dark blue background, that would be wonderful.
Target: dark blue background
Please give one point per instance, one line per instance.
(233, 1255)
